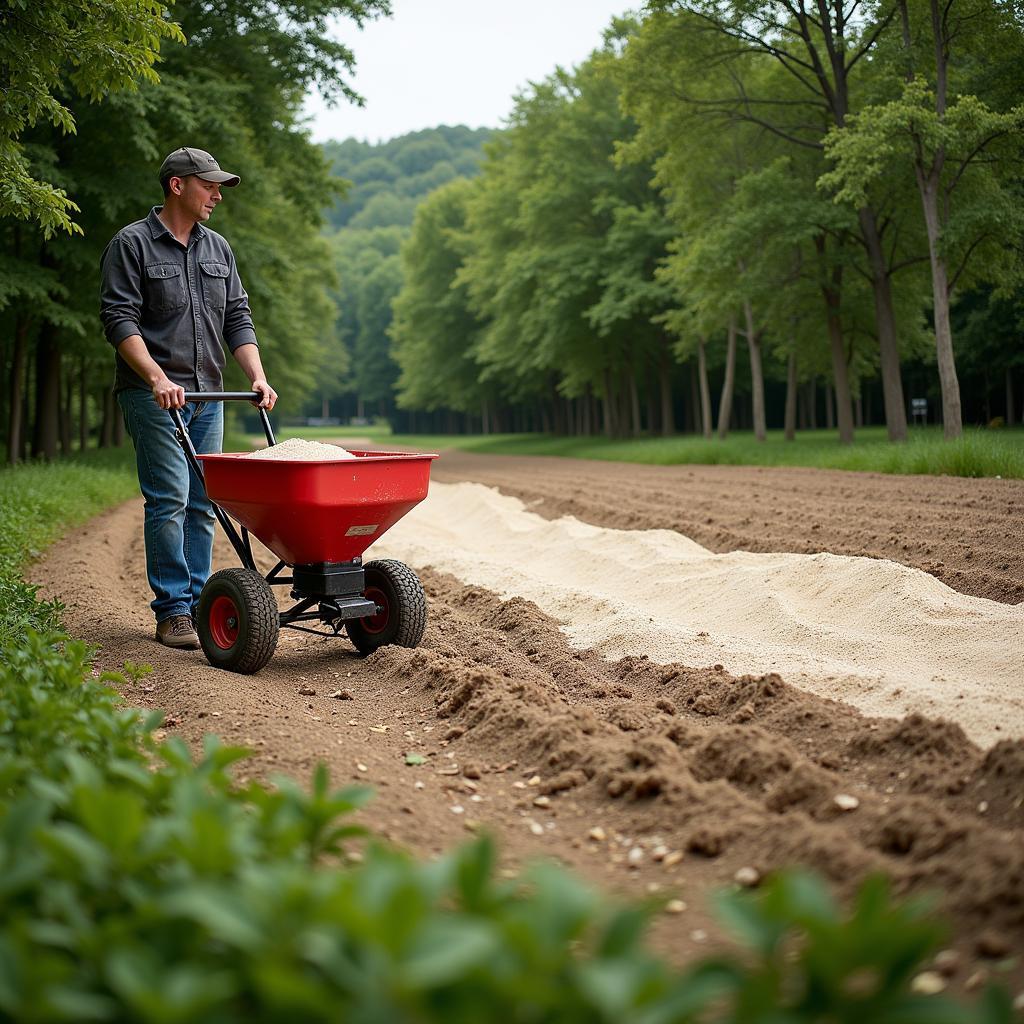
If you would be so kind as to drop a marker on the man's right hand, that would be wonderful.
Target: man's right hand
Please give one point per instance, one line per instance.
(169, 395)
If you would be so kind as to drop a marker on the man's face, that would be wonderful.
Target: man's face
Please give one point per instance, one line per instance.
(196, 196)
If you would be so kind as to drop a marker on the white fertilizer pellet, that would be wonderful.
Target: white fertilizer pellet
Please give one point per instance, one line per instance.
(298, 449)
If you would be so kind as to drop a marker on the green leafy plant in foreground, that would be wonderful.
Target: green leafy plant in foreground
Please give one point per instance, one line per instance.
(140, 884)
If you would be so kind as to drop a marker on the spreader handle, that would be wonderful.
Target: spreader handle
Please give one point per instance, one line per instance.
(222, 396)
(233, 396)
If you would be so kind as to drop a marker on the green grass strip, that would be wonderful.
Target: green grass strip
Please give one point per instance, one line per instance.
(978, 453)
(40, 502)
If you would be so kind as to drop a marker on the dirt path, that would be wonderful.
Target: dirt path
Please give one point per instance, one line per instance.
(643, 777)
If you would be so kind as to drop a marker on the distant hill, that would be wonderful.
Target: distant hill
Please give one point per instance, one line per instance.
(390, 178)
(365, 232)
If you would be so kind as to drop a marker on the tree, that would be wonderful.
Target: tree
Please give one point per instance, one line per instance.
(91, 47)
(240, 81)
(558, 322)
(816, 46)
(434, 330)
(374, 371)
(954, 148)
(373, 219)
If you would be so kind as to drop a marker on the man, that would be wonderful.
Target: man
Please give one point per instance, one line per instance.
(170, 301)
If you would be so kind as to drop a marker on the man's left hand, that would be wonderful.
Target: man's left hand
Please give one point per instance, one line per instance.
(268, 396)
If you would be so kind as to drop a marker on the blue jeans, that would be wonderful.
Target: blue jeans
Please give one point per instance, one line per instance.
(179, 521)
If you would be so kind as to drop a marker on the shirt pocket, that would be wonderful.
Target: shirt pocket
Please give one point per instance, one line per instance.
(215, 284)
(165, 291)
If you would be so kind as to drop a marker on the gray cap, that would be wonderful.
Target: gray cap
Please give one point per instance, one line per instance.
(185, 161)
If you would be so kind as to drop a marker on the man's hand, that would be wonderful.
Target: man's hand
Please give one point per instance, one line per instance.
(169, 395)
(268, 396)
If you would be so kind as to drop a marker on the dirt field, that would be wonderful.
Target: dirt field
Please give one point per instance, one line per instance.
(645, 777)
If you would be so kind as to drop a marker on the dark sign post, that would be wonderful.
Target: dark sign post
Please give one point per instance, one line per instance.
(919, 410)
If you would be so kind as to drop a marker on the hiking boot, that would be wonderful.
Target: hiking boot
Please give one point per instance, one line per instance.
(178, 631)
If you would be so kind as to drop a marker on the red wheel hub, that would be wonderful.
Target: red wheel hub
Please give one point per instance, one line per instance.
(224, 622)
(376, 623)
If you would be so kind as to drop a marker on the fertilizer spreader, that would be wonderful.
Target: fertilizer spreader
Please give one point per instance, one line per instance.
(318, 518)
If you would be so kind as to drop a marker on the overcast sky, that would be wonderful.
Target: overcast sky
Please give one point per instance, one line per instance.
(457, 61)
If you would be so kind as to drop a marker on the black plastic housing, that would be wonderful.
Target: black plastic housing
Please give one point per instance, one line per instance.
(328, 579)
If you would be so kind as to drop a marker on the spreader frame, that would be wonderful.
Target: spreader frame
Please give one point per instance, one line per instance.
(343, 583)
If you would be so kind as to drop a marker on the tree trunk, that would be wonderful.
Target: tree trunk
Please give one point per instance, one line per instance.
(756, 374)
(4, 391)
(118, 421)
(858, 412)
(83, 408)
(68, 388)
(885, 322)
(729, 383)
(1009, 418)
(929, 185)
(791, 390)
(651, 399)
(830, 291)
(15, 410)
(830, 414)
(27, 408)
(48, 397)
(668, 416)
(705, 391)
(107, 425)
(634, 406)
(623, 412)
(609, 405)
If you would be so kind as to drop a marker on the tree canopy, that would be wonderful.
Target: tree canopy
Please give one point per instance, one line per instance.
(235, 88)
(770, 170)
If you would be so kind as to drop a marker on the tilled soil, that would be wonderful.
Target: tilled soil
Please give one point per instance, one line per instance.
(643, 777)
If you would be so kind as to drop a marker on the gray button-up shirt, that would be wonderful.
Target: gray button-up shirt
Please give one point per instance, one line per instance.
(186, 302)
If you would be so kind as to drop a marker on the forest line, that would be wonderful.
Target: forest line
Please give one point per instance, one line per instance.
(831, 192)
(734, 215)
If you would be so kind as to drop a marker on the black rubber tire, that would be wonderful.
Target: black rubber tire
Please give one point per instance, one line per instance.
(258, 621)
(407, 608)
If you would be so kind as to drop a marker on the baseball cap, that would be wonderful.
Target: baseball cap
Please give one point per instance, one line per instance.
(185, 161)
